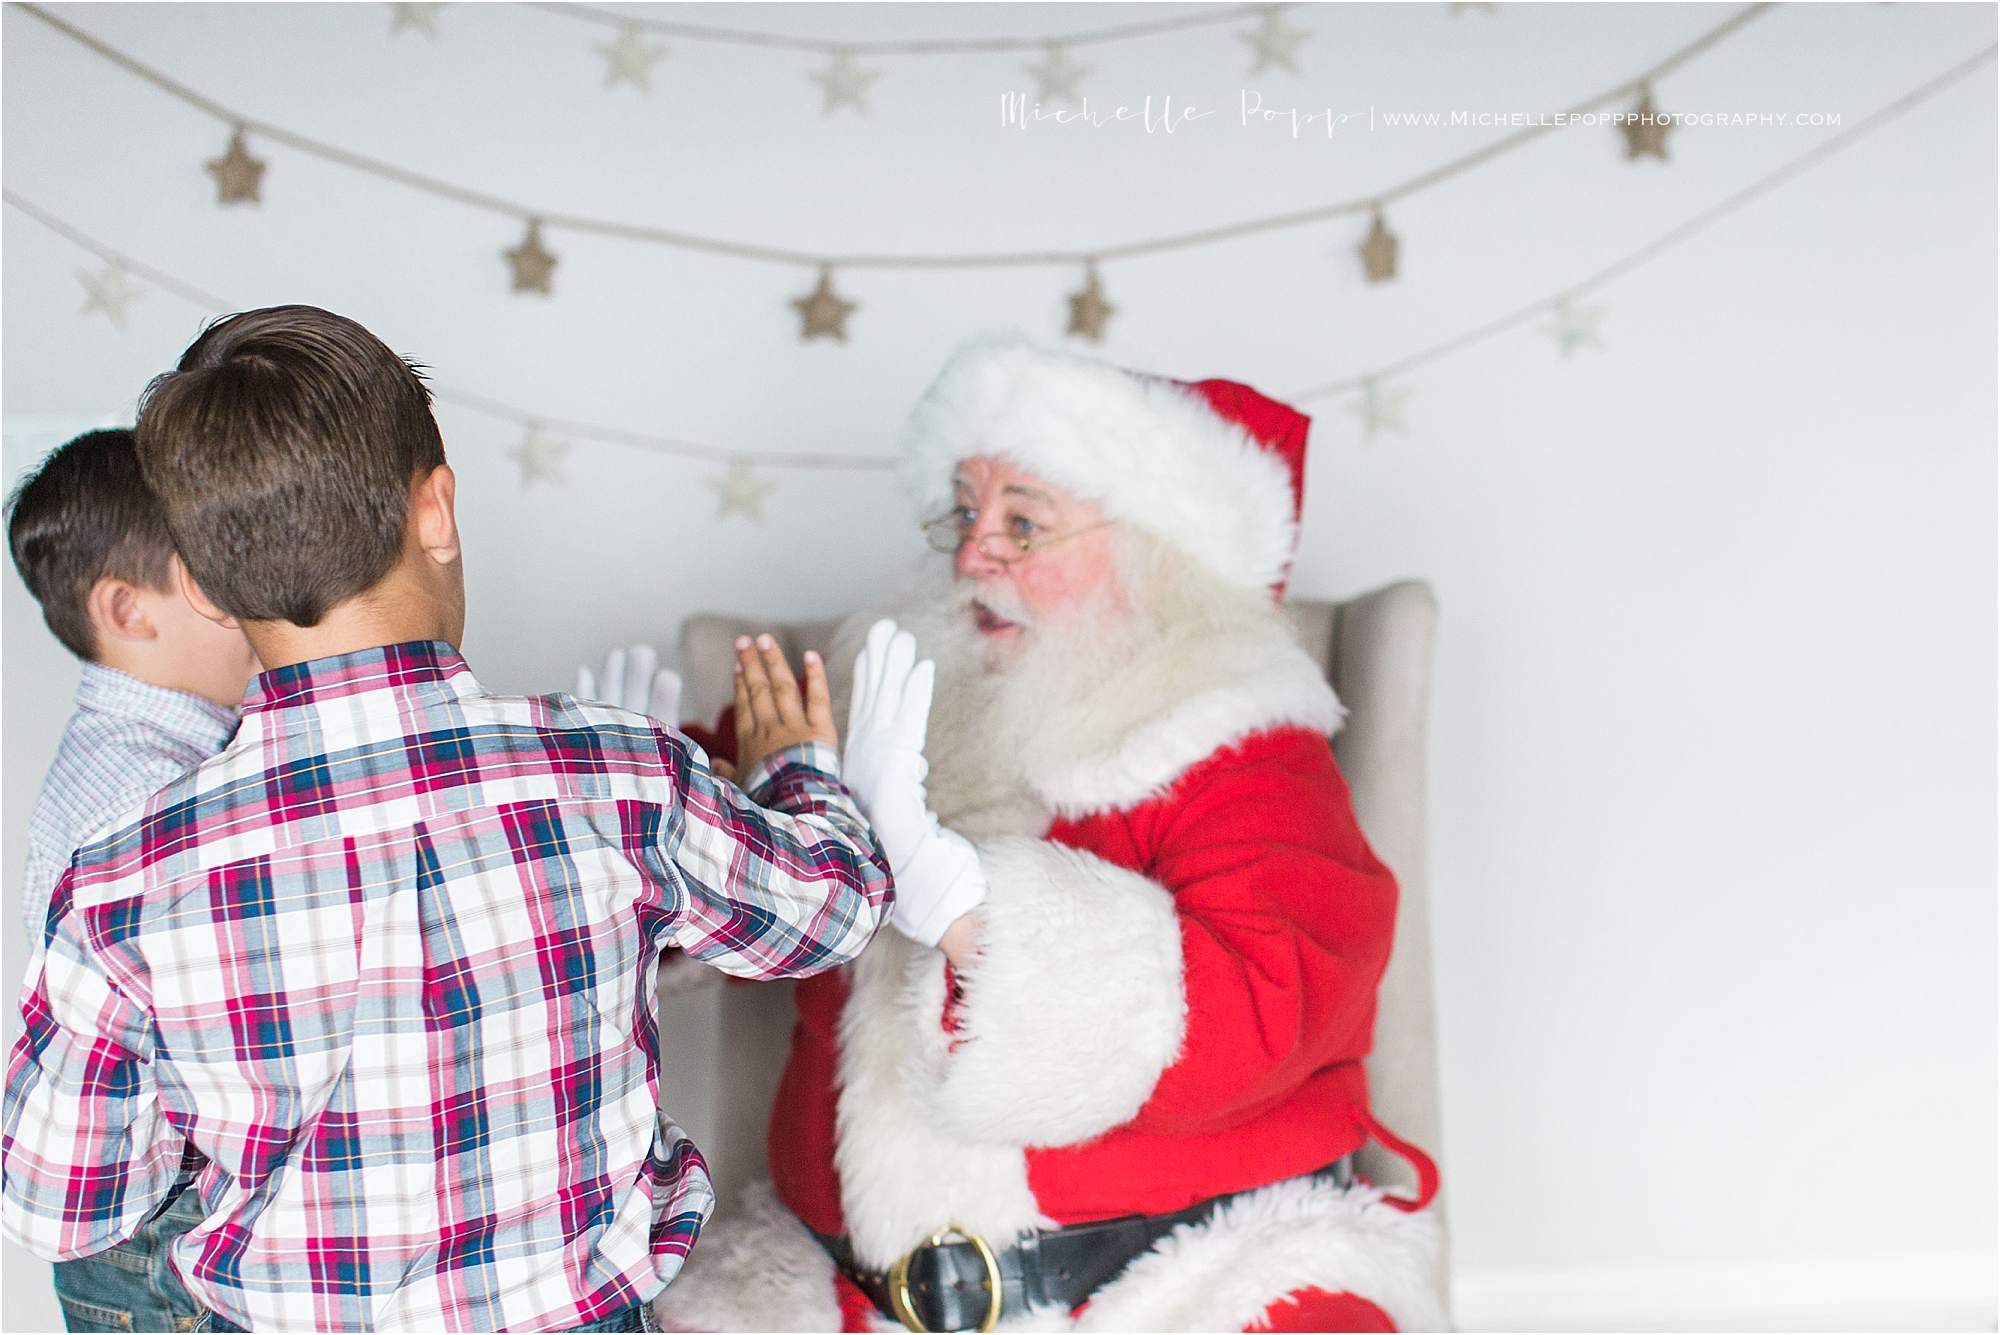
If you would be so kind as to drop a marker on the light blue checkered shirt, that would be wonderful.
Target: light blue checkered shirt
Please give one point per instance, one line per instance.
(126, 741)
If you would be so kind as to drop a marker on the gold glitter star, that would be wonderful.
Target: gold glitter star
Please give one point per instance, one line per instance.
(533, 265)
(1088, 310)
(824, 313)
(237, 174)
(1646, 131)
(1378, 252)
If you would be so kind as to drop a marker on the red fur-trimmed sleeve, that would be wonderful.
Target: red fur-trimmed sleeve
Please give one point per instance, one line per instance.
(1286, 919)
(1243, 961)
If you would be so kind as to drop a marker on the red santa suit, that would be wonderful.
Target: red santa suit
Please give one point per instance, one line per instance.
(1178, 955)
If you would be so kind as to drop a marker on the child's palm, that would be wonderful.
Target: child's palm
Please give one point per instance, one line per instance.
(772, 712)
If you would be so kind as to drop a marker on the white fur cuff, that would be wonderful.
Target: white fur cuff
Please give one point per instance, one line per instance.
(1075, 1006)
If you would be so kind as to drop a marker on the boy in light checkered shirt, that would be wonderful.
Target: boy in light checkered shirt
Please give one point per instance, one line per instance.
(158, 696)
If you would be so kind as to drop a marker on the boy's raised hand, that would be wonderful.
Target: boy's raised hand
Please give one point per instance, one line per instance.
(772, 713)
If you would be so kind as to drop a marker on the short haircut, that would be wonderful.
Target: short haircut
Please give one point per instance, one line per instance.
(85, 514)
(282, 449)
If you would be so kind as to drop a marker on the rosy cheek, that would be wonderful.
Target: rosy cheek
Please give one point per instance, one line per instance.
(1043, 583)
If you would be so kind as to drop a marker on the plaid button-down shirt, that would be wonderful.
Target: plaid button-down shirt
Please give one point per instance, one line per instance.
(388, 962)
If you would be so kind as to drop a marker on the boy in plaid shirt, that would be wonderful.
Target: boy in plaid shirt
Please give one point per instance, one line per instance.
(388, 959)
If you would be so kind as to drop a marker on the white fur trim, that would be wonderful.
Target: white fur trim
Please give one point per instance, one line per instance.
(902, 1175)
(1074, 1007)
(753, 1268)
(1150, 451)
(1289, 1236)
(1179, 711)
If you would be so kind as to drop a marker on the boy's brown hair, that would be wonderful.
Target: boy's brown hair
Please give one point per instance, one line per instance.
(282, 449)
(84, 515)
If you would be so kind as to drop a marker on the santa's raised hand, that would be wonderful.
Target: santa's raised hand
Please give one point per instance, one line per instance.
(629, 681)
(938, 876)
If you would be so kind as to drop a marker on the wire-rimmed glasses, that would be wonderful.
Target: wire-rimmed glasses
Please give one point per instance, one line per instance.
(950, 530)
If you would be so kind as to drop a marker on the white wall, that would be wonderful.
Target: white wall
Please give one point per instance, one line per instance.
(1714, 714)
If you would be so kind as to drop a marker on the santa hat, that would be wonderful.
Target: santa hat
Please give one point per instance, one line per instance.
(1212, 468)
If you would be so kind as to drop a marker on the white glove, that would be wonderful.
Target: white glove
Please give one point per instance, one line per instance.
(938, 876)
(629, 682)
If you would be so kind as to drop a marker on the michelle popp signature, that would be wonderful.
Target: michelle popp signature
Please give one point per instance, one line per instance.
(1163, 115)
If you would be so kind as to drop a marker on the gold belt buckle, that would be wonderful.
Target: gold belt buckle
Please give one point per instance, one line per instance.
(899, 1278)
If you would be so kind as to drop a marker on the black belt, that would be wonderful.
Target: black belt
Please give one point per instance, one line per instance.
(965, 1284)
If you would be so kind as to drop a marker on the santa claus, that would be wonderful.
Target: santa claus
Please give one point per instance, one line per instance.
(1114, 1080)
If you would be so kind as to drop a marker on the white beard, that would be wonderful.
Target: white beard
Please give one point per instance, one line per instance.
(1081, 681)
(982, 720)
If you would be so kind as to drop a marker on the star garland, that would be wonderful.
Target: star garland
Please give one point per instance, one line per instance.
(739, 489)
(845, 85)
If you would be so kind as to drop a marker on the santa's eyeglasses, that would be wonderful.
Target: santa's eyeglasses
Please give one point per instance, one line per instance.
(950, 530)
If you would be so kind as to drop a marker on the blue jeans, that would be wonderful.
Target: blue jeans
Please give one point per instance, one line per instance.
(131, 1287)
(639, 1316)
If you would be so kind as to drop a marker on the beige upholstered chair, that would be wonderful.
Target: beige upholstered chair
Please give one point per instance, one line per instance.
(1377, 652)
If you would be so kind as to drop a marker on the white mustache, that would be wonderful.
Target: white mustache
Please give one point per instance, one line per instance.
(1002, 601)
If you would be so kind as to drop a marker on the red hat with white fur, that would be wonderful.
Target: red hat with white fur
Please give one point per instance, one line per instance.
(1213, 468)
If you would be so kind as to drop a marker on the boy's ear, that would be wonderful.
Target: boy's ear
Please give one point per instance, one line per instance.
(199, 600)
(434, 514)
(117, 613)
